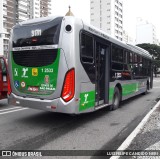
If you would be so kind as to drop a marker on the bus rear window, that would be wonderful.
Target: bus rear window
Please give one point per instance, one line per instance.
(35, 58)
(38, 34)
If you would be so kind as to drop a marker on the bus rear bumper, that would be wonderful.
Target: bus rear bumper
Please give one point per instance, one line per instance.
(55, 105)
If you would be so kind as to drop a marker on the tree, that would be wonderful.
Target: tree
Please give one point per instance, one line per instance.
(154, 50)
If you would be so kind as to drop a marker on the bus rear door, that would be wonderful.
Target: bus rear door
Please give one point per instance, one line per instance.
(102, 73)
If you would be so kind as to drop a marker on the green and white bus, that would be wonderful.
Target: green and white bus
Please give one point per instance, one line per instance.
(61, 64)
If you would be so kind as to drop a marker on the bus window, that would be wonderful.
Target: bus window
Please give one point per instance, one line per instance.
(145, 67)
(117, 58)
(135, 66)
(125, 60)
(125, 57)
(130, 58)
(117, 54)
(86, 48)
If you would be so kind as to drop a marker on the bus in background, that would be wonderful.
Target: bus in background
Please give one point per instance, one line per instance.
(61, 64)
(3, 78)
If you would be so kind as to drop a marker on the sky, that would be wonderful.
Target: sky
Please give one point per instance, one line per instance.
(146, 9)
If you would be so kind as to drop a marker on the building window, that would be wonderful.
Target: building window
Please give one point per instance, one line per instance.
(120, 3)
(120, 10)
(116, 7)
(120, 15)
(120, 21)
(117, 25)
(116, 19)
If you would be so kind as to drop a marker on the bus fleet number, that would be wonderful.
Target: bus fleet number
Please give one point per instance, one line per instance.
(47, 70)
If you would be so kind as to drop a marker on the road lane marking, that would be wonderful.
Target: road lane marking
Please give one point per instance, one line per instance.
(9, 109)
(136, 131)
(13, 111)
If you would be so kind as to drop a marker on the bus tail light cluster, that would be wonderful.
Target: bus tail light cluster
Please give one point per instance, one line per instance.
(9, 85)
(68, 86)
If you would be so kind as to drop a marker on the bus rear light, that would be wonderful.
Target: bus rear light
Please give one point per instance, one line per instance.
(9, 85)
(34, 40)
(68, 86)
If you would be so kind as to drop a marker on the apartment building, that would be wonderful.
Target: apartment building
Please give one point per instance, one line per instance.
(145, 32)
(108, 16)
(15, 11)
(127, 38)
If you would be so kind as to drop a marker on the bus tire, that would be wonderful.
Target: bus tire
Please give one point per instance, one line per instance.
(147, 88)
(116, 99)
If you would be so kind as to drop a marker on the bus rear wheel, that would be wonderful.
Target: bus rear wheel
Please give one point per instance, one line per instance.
(116, 99)
(147, 88)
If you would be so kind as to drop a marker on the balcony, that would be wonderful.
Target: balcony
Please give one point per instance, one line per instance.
(5, 13)
(24, 3)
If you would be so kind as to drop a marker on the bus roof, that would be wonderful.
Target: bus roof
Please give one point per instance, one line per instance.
(108, 37)
(38, 20)
(92, 30)
(143, 51)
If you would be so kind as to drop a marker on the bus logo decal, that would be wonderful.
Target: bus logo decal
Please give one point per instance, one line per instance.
(34, 72)
(23, 84)
(16, 72)
(16, 84)
(24, 72)
(33, 89)
(85, 96)
(46, 79)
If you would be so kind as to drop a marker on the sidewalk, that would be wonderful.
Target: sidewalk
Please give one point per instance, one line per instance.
(145, 137)
(149, 136)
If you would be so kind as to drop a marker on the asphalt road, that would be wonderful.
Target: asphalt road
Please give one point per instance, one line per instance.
(28, 129)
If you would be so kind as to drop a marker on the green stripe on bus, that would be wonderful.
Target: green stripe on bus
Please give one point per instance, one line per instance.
(128, 89)
(111, 91)
(87, 100)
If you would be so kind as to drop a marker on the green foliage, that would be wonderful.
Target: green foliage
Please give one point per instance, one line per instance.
(154, 50)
